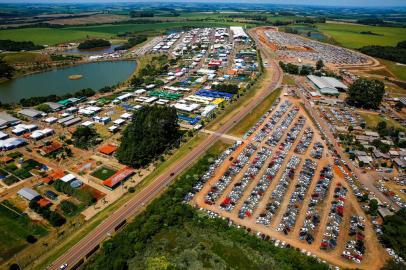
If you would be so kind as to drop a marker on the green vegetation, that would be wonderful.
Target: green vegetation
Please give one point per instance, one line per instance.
(43, 107)
(54, 218)
(228, 88)
(151, 132)
(149, 69)
(85, 137)
(24, 58)
(394, 232)
(15, 227)
(366, 94)
(172, 235)
(69, 208)
(16, 46)
(373, 119)
(34, 101)
(397, 69)
(103, 173)
(81, 194)
(349, 35)
(132, 41)
(397, 54)
(93, 44)
(6, 71)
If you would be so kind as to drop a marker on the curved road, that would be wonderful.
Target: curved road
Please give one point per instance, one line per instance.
(101, 232)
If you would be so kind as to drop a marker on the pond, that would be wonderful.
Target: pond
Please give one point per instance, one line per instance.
(98, 51)
(56, 82)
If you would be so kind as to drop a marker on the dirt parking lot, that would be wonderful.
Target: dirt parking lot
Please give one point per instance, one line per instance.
(232, 192)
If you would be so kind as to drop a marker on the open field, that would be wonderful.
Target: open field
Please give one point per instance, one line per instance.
(14, 228)
(372, 120)
(24, 57)
(398, 70)
(349, 35)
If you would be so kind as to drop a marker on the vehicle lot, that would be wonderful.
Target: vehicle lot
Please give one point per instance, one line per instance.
(288, 189)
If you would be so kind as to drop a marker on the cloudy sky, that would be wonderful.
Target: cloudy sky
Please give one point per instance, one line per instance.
(359, 3)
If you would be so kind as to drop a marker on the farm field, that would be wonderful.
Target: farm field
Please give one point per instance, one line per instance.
(14, 228)
(349, 35)
(52, 36)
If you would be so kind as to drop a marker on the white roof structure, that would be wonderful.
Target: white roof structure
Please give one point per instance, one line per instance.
(28, 193)
(11, 143)
(119, 121)
(186, 107)
(327, 85)
(51, 120)
(125, 96)
(126, 115)
(3, 135)
(238, 32)
(67, 178)
(41, 133)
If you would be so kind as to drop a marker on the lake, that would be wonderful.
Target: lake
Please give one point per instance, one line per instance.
(95, 76)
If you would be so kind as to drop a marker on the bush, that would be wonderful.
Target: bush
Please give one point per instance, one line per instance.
(31, 239)
(366, 94)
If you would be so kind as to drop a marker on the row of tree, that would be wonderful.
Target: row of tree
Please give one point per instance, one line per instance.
(397, 53)
(226, 87)
(93, 44)
(132, 41)
(16, 46)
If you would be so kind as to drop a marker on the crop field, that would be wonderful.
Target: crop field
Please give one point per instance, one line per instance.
(14, 228)
(349, 35)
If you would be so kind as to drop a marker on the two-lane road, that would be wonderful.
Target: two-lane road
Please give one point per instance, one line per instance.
(101, 232)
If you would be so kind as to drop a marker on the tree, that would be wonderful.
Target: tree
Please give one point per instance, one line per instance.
(84, 137)
(319, 64)
(350, 128)
(151, 131)
(6, 71)
(366, 94)
(394, 233)
(94, 43)
(43, 107)
(373, 207)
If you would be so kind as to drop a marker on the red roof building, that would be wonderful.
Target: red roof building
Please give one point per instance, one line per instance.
(118, 177)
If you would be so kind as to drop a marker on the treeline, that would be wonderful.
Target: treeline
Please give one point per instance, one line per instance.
(85, 137)
(54, 218)
(228, 88)
(397, 53)
(16, 46)
(394, 232)
(94, 43)
(132, 41)
(216, 243)
(141, 14)
(152, 131)
(34, 101)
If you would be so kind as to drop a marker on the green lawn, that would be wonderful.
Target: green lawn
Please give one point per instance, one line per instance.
(24, 57)
(349, 35)
(103, 173)
(14, 228)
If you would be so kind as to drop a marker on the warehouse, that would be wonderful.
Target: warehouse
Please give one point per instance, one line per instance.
(238, 33)
(31, 113)
(7, 120)
(327, 85)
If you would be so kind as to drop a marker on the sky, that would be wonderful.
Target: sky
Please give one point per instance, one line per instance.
(358, 3)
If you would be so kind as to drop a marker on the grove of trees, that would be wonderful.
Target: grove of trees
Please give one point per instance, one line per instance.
(6, 71)
(394, 232)
(366, 94)
(152, 131)
(93, 43)
(397, 53)
(84, 137)
(16, 46)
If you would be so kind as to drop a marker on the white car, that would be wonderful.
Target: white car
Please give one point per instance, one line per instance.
(63, 266)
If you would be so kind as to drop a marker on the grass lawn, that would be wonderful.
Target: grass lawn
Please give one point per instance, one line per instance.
(14, 228)
(103, 173)
(398, 70)
(250, 119)
(288, 79)
(372, 120)
(349, 35)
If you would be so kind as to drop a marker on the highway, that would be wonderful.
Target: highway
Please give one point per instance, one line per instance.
(91, 241)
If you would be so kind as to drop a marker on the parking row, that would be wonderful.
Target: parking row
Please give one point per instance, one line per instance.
(210, 172)
(262, 119)
(218, 188)
(270, 125)
(305, 141)
(280, 130)
(292, 211)
(317, 151)
(312, 218)
(279, 192)
(355, 247)
(335, 218)
(252, 171)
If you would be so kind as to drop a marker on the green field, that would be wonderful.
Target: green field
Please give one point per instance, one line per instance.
(52, 36)
(14, 228)
(103, 173)
(24, 57)
(398, 70)
(49, 36)
(349, 35)
(372, 120)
